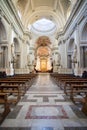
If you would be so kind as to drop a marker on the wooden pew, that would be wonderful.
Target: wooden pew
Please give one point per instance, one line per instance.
(4, 101)
(15, 81)
(77, 88)
(27, 79)
(74, 86)
(84, 107)
(16, 84)
(11, 89)
(68, 83)
(60, 78)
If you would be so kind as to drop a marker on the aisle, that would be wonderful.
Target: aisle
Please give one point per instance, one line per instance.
(45, 107)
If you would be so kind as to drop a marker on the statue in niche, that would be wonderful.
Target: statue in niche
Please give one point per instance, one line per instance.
(12, 50)
(57, 59)
(14, 57)
(74, 56)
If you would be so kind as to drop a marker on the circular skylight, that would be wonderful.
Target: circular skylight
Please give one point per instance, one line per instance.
(44, 25)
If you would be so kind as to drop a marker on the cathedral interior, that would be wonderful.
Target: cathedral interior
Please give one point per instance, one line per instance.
(43, 64)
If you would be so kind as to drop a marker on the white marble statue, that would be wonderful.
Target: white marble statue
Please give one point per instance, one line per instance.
(74, 56)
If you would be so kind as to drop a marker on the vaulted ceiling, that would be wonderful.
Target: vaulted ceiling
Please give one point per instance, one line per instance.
(57, 11)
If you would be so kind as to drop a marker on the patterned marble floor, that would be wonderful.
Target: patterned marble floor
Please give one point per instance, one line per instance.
(45, 107)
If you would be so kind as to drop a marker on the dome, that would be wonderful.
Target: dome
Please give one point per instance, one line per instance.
(44, 25)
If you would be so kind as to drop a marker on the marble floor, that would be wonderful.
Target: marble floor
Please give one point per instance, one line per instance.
(45, 107)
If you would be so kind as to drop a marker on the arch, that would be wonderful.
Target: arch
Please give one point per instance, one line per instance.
(70, 51)
(42, 41)
(43, 53)
(16, 53)
(57, 19)
(43, 61)
(16, 45)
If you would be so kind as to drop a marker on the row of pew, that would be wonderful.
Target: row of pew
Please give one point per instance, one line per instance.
(73, 86)
(15, 86)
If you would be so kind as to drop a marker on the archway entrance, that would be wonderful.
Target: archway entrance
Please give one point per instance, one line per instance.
(17, 53)
(43, 54)
(70, 53)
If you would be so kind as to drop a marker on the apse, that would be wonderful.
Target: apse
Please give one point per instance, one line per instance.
(43, 53)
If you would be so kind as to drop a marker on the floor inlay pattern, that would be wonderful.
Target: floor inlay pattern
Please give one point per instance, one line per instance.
(25, 99)
(45, 99)
(46, 112)
(45, 108)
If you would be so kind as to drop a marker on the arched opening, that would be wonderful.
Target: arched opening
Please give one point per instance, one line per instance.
(3, 47)
(83, 48)
(70, 53)
(16, 53)
(43, 54)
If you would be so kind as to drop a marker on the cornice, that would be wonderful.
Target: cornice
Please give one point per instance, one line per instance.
(14, 12)
(11, 10)
(73, 14)
(3, 14)
(8, 11)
